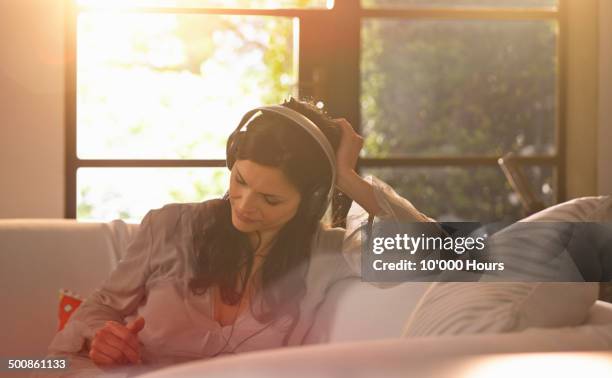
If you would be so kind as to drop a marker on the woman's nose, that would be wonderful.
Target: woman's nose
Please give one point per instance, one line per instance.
(248, 203)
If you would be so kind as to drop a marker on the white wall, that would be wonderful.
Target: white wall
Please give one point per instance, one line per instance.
(31, 109)
(605, 98)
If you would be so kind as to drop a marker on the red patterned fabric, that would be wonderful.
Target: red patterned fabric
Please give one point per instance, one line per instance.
(68, 303)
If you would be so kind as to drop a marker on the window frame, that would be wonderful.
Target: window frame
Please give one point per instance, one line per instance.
(329, 70)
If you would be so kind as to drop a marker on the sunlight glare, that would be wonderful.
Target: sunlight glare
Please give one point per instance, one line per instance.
(169, 86)
(541, 365)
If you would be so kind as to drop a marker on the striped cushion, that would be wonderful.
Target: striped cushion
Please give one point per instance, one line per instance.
(457, 308)
(460, 308)
(585, 209)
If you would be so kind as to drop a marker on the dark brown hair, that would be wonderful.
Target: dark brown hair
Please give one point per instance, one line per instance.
(223, 252)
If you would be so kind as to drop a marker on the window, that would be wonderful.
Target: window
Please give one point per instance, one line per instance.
(439, 88)
(158, 90)
(460, 92)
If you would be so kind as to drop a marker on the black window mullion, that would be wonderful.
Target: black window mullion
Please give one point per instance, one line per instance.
(463, 13)
(289, 12)
(150, 163)
(464, 161)
(562, 79)
(329, 51)
(329, 59)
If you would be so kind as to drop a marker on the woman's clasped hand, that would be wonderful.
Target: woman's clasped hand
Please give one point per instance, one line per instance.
(117, 344)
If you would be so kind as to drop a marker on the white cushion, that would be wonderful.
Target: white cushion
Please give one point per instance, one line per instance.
(459, 308)
(584, 209)
(454, 308)
(600, 313)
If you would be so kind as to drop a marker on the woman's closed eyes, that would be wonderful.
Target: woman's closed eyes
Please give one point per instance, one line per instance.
(269, 201)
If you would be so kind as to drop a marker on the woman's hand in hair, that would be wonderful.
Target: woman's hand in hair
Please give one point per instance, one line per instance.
(116, 344)
(348, 150)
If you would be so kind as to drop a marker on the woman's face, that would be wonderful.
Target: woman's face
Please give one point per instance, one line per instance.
(261, 197)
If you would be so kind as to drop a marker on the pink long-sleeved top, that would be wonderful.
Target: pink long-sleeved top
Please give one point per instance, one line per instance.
(152, 281)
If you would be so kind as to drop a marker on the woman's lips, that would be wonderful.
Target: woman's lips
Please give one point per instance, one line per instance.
(244, 219)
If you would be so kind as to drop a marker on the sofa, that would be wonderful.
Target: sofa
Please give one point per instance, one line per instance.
(38, 257)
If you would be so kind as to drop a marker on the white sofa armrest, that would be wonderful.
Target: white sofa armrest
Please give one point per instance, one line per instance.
(40, 256)
(389, 358)
(600, 313)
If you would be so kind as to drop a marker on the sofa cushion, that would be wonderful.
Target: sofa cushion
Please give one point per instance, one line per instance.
(454, 308)
(584, 209)
(460, 308)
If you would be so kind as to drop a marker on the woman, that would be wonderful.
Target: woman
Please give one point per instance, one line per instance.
(245, 272)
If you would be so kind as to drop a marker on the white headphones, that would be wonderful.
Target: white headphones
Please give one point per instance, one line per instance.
(323, 196)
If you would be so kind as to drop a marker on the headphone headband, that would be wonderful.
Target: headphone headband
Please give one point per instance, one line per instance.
(306, 124)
